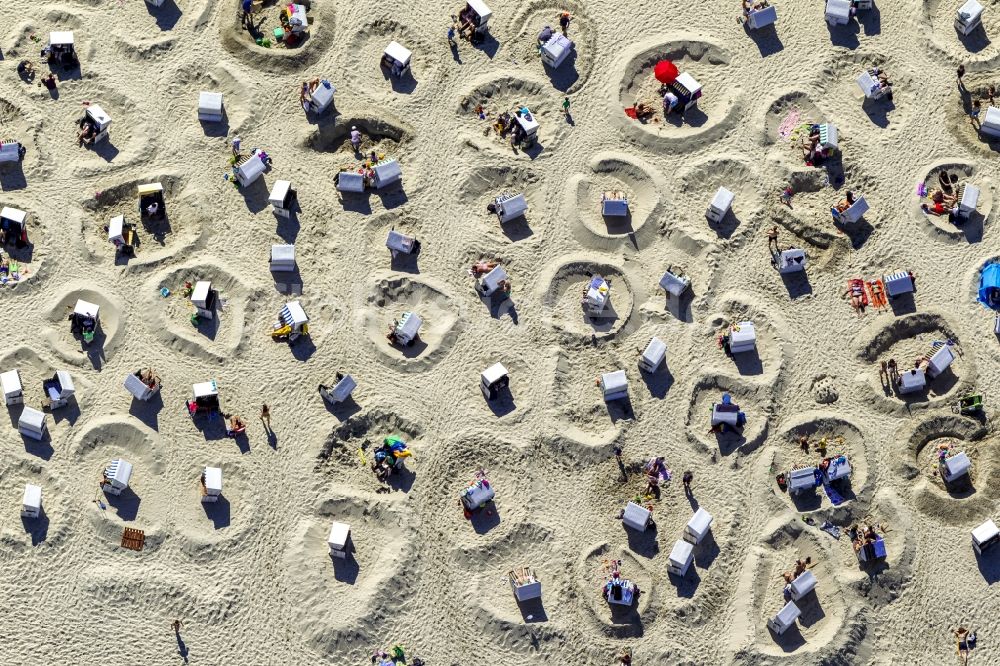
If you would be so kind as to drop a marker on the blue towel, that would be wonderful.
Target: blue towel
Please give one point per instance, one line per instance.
(835, 498)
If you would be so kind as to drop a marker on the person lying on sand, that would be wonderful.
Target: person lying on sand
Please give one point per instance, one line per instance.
(857, 293)
(482, 267)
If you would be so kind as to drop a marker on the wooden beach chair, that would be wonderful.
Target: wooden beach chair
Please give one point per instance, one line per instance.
(133, 539)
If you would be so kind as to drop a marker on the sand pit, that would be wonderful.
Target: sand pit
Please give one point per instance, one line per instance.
(976, 47)
(943, 226)
(51, 528)
(754, 401)
(389, 300)
(341, 455)
(72, 348)
(565, 311)
(182, 226)
(279, 56)
(616, 620)
(369, 44)
(370, 581)
(16, 126)
(737, 177)
(532, 18)
(486, 183)
(26, 256)
(714, 113)
(613, 175)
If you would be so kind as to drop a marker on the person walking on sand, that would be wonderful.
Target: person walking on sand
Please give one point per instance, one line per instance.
(265, 415)
(564, 22)
(883, 374)
(977, 107)
(687, 479)
(893, 371)
(177, 625)
(772, 239)
(961, 73)
(451, 37)
(236, 145)
(565, 105)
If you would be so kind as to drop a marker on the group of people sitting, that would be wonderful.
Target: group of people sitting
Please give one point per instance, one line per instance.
(507, 122)
(863, 535)
(235, 425)
(812, 150)
(800, 568)
(88, 132)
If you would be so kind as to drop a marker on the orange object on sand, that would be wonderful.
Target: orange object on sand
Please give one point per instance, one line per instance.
(876, 292)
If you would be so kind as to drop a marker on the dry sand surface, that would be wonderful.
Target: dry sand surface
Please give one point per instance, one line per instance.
(251, 577)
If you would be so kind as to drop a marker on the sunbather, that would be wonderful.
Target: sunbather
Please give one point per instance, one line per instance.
(643, 111)
(856, 290)
(483, 267)
(846, 203)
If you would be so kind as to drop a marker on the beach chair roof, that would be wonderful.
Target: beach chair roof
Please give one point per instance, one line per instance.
(205, 389)
(512, 206)
(971, 10)
(252, 167)
(788, 615)
(150, 188)
(210, 101)
(723, 199)
(655, 351)
(529, 126)
(350, 181)
(681, 553)
(213, 479)
(700, 522)
(494, 373)
(688, 82)
(282, 253)
(32, 496)
(614, 381)
(278, 193)
(323, 95)
(992, 117)
(985, 532)
(119, 471)
(940, 360)
(32, 418)
(615, 207)
(673, 283)
(200, 292)
(98, 115)
(958, 464)
(11, 382)
(61, 38)
(868, 84)
(557, 44)
(135, 386)
(13, 214)
(387, 170)
(116, 226)
(398, 52)
(478, 6)
(410, 327)
(636, 516)
(493, 279)
(293, 314)
(914, 378)
(338, 535)
(746, 333)
(66, 387)
(398, 241)
(970, 197)
(86, 308)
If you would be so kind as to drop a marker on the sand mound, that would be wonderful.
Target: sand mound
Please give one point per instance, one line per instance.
(209, 530)
(368, 45)
(717, 110)
(223, 336)
(51, 528)
(72, 348)
(531, 18)
(183, 227)
(510, 93)
(566, 287)
(390, 298)
(239, 109)
(767, 358)
(278, 58)
(31, 257)
(840, 437)
(737, 176)
(583, 413)
(341, 455)
(976, 47)
(615, 620)
(755, 401)
(907, 339)
(370, 583)
(941, 226)
(16, 125)
(485, 183)
(614, 173)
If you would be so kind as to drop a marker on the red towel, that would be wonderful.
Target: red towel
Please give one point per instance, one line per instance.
(630, 112)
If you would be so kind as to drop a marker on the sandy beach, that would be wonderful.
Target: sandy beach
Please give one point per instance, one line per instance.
(251, 576)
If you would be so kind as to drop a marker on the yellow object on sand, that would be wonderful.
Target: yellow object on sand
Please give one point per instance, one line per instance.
(361, 454)
(281, 332)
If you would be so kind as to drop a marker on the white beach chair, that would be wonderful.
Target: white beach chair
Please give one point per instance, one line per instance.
(838, 12)
(853, 213)
(396, 59)
(680, 558)
(698, 526)
(249, 168)
(801, 480)
(138, 388)
(614, 385)
(322, 98)
(985, 536)
(955, 467)
(725, 414)
(912, 380)
(940, 361)
(897, 284)
(13, 393)
(117, 476)
(204, 298)
(340, 533)
(350, 181)
(968, 200)
(10, 151)
(556, 50)
(493, 380)
(991, 122)
(840, 468)
(340, 391)
(803, 585)
(408, 328)
(477, 495)
(510, 206)
(614, 204)
(101, 121)
(478, 14)
(654, 355)
(488, 284)
(969, 17)
(760, 18)
(62, 46)
(282, 259)
(292, 322)
(32, 423)
(212, 477)
(386, 173)
(636, 517)
(792, 260)
(281, 198)
(59, 389)
(720, 205)
(526, 586)
(529, 126)
(210, 107)
(298, 21)
(742, 338)
(400, 243)
(597, 296)
(14, 223)
(785, 618)
(31, 501)
(687, 89)
(871, 86)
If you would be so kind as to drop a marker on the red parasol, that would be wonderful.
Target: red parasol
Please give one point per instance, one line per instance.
(665, 71)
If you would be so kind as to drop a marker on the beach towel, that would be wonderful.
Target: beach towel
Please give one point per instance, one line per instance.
(631, 113)
(790, 122)
(831, 529)
(859, 283)
(876, 293)
(835, 498)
